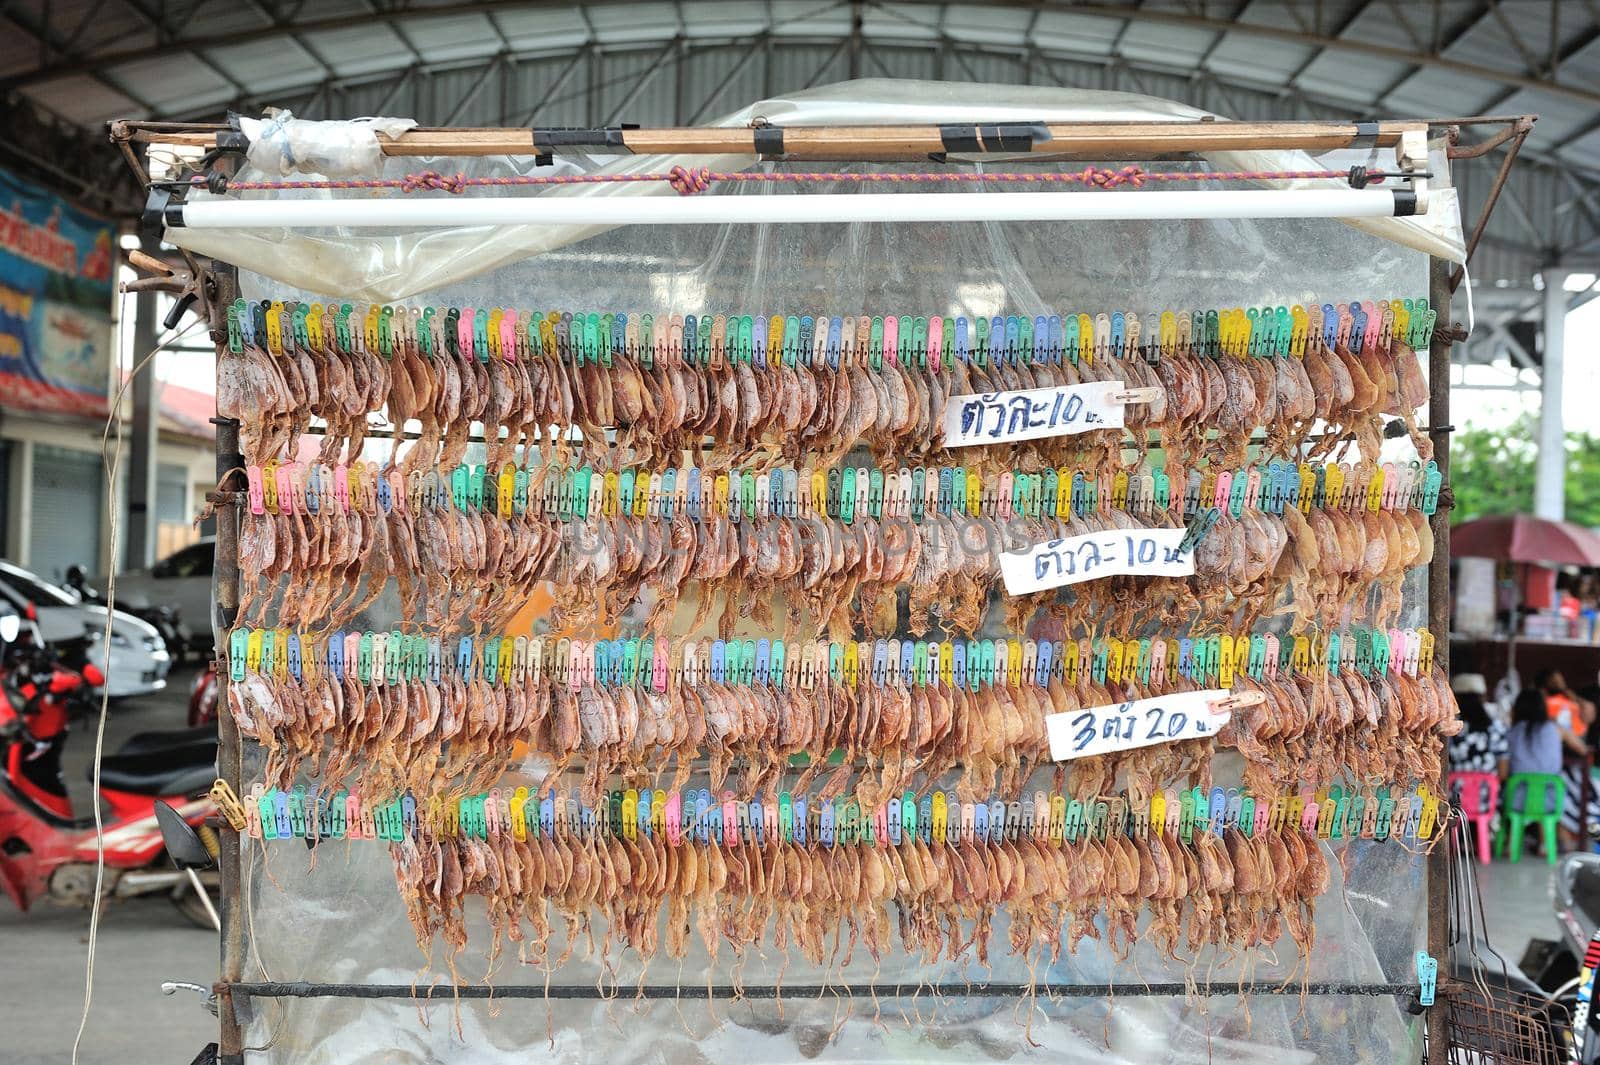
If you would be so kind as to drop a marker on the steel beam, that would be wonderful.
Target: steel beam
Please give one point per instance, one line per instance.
(144, 439)
(667, 52)
(312, 27)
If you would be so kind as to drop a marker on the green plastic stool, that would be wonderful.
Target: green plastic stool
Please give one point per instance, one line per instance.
(1542, 800)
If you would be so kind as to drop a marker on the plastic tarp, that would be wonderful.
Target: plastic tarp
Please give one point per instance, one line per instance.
(383, 266)
(335, 915)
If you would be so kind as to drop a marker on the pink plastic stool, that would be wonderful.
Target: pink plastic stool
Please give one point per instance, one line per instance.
(1479, 797)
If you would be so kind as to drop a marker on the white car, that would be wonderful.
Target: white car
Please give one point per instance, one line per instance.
(139, 658)
(181, 580)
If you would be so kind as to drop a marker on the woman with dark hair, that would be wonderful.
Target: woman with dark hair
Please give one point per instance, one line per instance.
(1481, 745)
(1534, 742)
(1533, 745)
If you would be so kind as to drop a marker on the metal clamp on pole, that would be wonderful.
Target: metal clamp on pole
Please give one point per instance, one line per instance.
(161, 209)
(583, 137)
(981, 140)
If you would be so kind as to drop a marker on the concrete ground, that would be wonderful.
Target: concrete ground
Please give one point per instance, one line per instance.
(141, 943)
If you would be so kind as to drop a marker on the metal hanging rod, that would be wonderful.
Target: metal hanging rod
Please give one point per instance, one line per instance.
(979, 989)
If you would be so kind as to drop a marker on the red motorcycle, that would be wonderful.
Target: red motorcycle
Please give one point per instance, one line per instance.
(44, 850)
(203, 697)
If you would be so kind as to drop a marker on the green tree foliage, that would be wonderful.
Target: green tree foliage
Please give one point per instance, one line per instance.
(1491, 472)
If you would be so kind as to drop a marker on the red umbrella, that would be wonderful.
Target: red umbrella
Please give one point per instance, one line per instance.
(1524, 538)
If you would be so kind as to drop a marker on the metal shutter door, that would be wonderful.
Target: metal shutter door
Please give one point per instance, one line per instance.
(67, 487)
(172, 490)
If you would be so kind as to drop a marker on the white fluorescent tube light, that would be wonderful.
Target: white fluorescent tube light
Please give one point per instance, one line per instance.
(808, 208)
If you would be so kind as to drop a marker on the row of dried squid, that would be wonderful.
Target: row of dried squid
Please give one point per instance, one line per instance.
(785, 411)
(451, 563)
(462, 731)
(1234, 891)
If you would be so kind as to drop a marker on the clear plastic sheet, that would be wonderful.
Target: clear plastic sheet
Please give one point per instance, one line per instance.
(1368, 930)
(341, 919)
(386, 267)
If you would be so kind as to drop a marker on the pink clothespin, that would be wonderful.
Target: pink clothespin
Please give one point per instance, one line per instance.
(508, 334)
(286, 487)
(257, 493)
(464, 334)
(891, 339)
(730, 819)
(1374, 325)
(675, 818)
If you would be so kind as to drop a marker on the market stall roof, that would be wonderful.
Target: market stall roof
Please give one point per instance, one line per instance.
(1525, 538)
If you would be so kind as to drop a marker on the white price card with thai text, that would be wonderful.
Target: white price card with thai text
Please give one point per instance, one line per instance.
(1002, 417)
(1075, 559)
(1141, 723)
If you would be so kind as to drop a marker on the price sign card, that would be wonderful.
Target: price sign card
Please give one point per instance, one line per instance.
(1002, 417)
(1074, 559)
(1142, 723)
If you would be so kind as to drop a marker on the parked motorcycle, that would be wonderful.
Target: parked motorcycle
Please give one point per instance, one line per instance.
(203, 697)
(166, 620)
(45, 852)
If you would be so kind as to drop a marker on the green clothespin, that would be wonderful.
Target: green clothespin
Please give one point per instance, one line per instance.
(591, 336)
(302, 338)
(394, 652)
(1213, 645)
(1236, 494)
(605, 340)
(480, 334)
(425, 333)
(235, 333)
(582, 488)
(460, 481)
(791, 339)
(238, 649)
(1432, 482)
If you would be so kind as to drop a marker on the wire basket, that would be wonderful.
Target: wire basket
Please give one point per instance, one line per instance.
(1497, 1025)
(1493, 1014)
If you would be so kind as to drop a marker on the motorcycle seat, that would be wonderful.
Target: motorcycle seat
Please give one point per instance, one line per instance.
(156, 774)
(170, 740)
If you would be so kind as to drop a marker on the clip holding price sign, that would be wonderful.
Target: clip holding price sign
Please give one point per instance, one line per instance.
(1075, 559)
(1036, 413)
(1144, 722)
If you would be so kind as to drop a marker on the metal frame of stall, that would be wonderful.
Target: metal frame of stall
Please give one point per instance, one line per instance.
(217, 287)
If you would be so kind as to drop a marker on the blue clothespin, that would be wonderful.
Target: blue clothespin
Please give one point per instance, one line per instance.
(1427, 977)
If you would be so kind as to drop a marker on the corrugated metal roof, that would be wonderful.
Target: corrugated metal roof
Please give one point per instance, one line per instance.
(494, 62)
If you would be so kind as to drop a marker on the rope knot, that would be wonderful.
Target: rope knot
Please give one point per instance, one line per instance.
(432, 179)
(689, 180)
(1110, 179)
